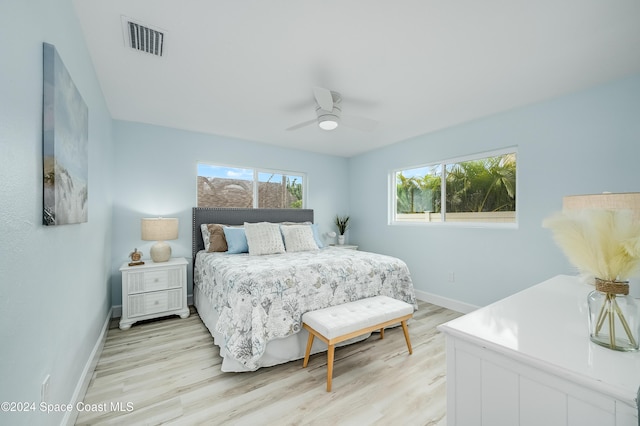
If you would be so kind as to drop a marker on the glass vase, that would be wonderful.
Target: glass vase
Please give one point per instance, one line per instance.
(614, 316)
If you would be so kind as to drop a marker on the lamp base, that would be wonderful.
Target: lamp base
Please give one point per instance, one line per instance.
(160, 252)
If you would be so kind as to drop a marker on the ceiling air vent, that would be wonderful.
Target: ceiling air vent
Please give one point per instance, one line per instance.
(142, 37)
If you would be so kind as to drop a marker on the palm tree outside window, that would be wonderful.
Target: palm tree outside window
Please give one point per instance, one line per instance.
(479, 189)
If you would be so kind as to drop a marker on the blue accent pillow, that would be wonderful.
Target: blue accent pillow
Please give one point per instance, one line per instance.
(236, 240)
(316, 235)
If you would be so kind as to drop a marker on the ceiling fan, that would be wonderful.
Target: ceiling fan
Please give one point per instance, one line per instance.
(329, 113)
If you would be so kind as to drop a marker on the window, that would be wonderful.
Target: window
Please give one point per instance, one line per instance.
(476, 189)
(222, 186)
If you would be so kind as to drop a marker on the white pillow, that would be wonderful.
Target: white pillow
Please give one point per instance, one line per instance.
(264, 238)
(314, 229)
(298, 238)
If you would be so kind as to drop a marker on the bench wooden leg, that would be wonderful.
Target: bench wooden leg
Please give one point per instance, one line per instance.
(308, 352)
(406, 336)
(332, 341)
(330, 351)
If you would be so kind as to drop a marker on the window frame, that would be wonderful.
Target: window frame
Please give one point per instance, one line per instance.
(255, 181)
(393, 199)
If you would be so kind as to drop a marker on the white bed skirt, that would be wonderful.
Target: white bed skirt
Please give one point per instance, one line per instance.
(277, 351)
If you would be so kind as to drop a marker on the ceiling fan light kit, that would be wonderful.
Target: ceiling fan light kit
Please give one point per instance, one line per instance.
(329, 113)
(328, 122)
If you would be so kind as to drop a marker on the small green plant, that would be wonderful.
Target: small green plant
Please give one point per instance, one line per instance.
(342, 222)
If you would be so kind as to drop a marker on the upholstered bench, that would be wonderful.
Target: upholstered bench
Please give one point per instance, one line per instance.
(336, 324)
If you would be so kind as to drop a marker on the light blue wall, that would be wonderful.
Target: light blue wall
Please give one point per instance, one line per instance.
(155, 175)
(587, 142)
(54, 281)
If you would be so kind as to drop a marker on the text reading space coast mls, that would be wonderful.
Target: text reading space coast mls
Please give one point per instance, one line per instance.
(21, 407)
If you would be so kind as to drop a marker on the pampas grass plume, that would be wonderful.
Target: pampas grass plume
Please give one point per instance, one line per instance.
(602, 243)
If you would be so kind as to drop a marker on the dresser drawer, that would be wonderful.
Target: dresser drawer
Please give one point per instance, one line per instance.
(154, 302)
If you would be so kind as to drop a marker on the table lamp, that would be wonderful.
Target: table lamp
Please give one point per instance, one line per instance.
(159, 229)
(600, 234)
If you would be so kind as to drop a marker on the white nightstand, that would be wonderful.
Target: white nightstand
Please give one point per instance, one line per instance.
(345, 246)
(154, 290)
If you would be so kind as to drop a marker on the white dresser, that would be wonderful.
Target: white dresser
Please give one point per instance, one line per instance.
(153, 290)
(527, 360)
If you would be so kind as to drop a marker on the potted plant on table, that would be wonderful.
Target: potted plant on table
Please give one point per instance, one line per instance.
(342, 222)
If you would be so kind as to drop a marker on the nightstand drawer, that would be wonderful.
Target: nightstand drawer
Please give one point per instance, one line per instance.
(157, 301)
(142, 281)
(156, 280)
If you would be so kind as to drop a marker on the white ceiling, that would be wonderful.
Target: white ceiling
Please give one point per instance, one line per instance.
(247, 68)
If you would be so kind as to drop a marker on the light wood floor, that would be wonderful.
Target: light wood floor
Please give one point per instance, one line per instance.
(168, 372)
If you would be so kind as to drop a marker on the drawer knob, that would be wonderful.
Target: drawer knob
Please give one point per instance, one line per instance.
(157, 302)
(156, 280)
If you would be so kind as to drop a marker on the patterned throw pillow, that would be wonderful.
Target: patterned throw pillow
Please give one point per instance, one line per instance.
(263, 238)
(205, 235)
(314, 228)
(299, 238)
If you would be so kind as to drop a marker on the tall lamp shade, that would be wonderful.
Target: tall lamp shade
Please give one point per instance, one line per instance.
(159, 229)
(604, 201)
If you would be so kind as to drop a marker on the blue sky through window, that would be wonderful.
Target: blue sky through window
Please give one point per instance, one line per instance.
(224, 172)
(211, 171)
(422, 171)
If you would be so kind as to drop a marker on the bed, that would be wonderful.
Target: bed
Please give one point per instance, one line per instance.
(253, 304)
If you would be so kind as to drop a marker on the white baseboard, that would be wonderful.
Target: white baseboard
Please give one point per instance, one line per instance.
(445, 302)
(71, 416)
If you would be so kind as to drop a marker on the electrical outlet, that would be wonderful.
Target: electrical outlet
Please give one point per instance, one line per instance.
(452, 277)
(44, 391)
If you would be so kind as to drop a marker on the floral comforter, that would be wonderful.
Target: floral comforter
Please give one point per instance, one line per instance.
(262, 298)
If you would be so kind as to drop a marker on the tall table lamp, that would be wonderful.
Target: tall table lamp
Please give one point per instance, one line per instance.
(600, 234)
(159, 229)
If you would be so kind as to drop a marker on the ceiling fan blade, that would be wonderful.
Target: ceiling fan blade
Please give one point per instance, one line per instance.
(360, 123)
(303, 124)
(324, 98)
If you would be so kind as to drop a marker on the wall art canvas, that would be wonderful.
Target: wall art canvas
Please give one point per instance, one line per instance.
(65, 134)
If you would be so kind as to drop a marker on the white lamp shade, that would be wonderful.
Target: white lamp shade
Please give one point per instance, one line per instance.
(604, 201)
(159, 229)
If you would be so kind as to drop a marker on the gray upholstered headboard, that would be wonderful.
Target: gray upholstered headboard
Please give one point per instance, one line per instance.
(237, 216)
